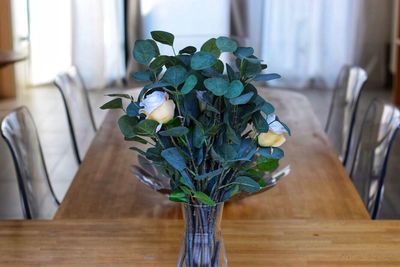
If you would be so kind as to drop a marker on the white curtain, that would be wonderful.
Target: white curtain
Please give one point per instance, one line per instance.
(98, 41)
(308, 41)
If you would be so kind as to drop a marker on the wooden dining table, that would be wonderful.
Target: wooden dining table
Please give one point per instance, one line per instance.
(312, 217)
(316, 188)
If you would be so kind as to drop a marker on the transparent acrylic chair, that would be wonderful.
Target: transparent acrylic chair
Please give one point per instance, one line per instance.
(79, 113)
(372, 148)
(340, 122)
(19, 131)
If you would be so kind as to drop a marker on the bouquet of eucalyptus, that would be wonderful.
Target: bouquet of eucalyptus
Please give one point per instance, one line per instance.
(202, 121)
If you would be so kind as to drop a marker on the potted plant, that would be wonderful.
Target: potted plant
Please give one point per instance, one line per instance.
(206, 130)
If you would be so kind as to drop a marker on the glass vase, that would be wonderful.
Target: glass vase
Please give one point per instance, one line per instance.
(202, 244)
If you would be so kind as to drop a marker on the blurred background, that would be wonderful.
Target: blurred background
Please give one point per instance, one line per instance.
(307, 42)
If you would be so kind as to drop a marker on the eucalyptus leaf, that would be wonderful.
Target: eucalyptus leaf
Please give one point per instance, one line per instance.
(127, 125)
(188, 50)
(235, 89)
(271, 152)
(190, 83)
(203, 198)
(226, 44)
(209, 174)
(175, 75)
(267, 77)
(217, 86)
(178, 196)
(260, 123)
(113, 104)
(202, 60)
(267, 164)
(243, 52)
(174, 158)
(241, 100)
(144, 51)
(211, 47)
(158, 62)
(247, 184)
(163, 37)
(176, 131)
(132, 110)
(146, 128)
(142, 75)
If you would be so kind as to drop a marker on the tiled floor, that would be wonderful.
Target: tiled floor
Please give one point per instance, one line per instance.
(48, 111)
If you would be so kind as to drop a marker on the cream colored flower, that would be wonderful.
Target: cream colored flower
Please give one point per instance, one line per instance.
(271, 139)
(275, 135)
(157, 107)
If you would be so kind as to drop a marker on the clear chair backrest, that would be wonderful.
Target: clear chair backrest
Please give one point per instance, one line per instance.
(370, 158)
(79, 113)
(20, 134)
(341, 116)
(389, 200)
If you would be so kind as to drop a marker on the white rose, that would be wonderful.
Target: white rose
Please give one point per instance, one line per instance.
(157, 107)
(271, 139)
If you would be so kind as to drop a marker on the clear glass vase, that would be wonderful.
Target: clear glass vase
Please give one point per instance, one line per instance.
(202, 244)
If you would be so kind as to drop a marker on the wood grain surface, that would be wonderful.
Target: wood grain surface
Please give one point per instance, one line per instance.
(316, 188)
(147, 242)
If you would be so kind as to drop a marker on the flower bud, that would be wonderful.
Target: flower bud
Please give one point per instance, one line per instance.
(157, 107)
(271, 139)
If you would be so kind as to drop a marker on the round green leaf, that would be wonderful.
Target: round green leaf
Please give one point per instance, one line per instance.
(127, 125)
(163, 37)
(144, 51)
(202, 60)
(175, 75)
(158, 62)
(176, 131)
(190, 83)
(235, 89)
(243, 52)
(217, 86)
(211, 47)
(226, 44)
(247, 184)
(241, 100)
(188, 50)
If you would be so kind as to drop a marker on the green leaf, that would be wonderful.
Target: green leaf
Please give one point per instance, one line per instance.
(271, 152)
(202, 60)
(142, 75)
(226, 44)
(175, 75)
(249, 69)
(241, 100)
(198, 136)
(120, 95)
(232, 190)
(219, 66)
(176, 131)
(247, 184)
(267, 77)
(174, 158)
(217, 86)
(158, 62)
(203, 198)
(267, 164)
(144, 51)
(188, 50)
(146, 128)
(243, 52)
(260, 122)
(190, 83)
(232, 135)
(178, 196)
(235, 89)
(127, 125)
(163, 37)
(113, 104)
(209, 175)
(133, 109)
(136, 139)
(211, 47)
